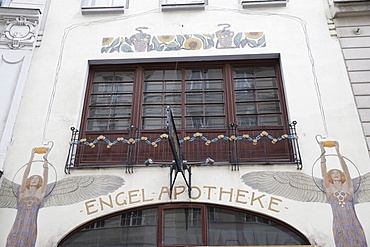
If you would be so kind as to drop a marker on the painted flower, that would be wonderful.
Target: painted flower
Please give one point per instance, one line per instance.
(245, 136)
(220, 137)
(131, 141)
(254, 35)
(165, 38)
(144, 138)
(284, 136)
(193, 44)
(264, 133)
(164, 136)
(274, 141)
(154, 144)
(101, 137)
(233, 138)
(120, 139)
(208, 142)
(254, 142)
(187, 138)
(198, 134)
(83, 140)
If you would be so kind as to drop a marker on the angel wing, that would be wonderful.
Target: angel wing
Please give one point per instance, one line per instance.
(292, 185)
(8, 191)
(67, 191)
(74, 189)
(363, 184)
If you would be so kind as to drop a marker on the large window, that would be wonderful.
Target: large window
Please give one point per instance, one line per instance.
(185, 225)
(237, 99)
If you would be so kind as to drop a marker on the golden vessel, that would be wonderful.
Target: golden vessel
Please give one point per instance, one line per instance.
(41, 150)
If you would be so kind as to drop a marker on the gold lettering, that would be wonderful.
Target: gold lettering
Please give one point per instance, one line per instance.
(199, 192)
(120, 203)
(143, 195)
(209, 191)
(88, 206)
(275, 203)
(257, 199)
(179, 192)
(110, 204)
(131, 194)
(165, 190)
(226, 192)
(239, 194)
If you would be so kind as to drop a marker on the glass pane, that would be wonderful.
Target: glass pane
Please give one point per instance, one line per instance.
(154, 98)
(247, 121)
(153, 110)
(107, 99)
(172, 99)
(273, 120)
(194, 98)
(264, 71)
(214, 73)
(243, 83)
(195, 122)
(124, 75)
(247, 95)
(194, 110)
(268, 95)
(269, 107)
(153, 123)
(215, 122)
(246, 108)
(214, 85)
(97, 124)
(153, 86)
(121, 111)
(119, 124)
(213, 97)
(266, 83)
(214, 110)
(243, 73)
(96, 112)
(172, 75)
(103, 76)
(227, 227)
(153, 75)
(172, 86)
(102, 88)
(182, 226)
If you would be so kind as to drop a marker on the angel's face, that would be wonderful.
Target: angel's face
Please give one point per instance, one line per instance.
(336, 176)
(35, 181)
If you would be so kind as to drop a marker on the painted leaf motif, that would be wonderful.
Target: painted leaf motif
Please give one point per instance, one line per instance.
(237, 39)
(126, 48)
(180, 39)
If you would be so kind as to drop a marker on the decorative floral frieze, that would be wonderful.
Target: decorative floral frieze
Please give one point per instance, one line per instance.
(146, 42)
(207, 141)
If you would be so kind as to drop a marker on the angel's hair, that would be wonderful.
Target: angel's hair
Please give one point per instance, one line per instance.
(342, 176)
(29, 181)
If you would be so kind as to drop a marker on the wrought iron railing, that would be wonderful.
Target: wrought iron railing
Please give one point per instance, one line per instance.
(234, 146)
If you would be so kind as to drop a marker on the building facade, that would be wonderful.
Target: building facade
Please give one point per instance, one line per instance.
(182, 123)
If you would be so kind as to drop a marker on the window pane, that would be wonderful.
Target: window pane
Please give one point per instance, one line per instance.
(264, 71)
(273, 120)
(97, 124)
(269, 107)
(227, 227)
(154, 98)
(182, 226)
(153, 86)
(153, 123)
(247, 95)
(266, 83)
(267, 95)
(153, 110)
(137, 229)
(194, 110)
(214, 110)
(213, 97)
(172, 98)
(247, 121)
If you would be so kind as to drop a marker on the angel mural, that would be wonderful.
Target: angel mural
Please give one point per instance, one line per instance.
(339, 190)
(34, 193)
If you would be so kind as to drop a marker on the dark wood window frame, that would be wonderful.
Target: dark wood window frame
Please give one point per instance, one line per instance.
(248, 217)
(265, 97)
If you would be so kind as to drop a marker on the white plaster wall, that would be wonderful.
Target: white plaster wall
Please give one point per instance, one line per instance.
(55, 88)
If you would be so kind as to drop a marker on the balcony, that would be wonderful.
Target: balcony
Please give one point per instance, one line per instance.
(233, 146)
